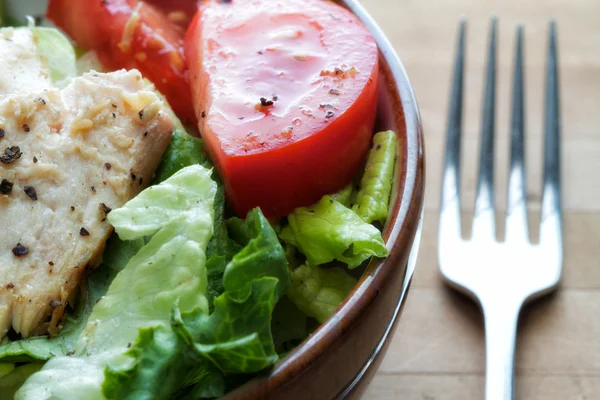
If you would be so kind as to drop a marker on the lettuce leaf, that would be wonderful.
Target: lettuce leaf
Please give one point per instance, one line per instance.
(57, 52)
(236, 337)
(261, 256)
(162, 364)
(373, 198)
(12, 377)
(329, 231)
(289, 325)
(204, 349)
(183, 150)
(344, 196)
(169, 269)
(317, 291)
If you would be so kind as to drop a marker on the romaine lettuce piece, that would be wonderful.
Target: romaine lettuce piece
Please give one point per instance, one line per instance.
(2, 14)
(12, 377)
(317, 291)
(261, 256)
(56, 50)
(344, 196)
(373, 197)
(183, 150)
(162, 364)
(184, 195)
(329, 231)
(289, 326)
(169, 269)
(236, 337)
(202, 348)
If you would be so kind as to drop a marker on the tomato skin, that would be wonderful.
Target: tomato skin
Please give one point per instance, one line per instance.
(247, 49)
(154, 46)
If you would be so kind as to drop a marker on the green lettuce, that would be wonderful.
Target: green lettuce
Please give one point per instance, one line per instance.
(317, 291)
(261, 256)
(57, 52)
(204, 349)
(329, 231)
(183, 150)
(344, 196)
(289, 325)
(373, 198)
(168, 270)
(12, 377)
(162, 364)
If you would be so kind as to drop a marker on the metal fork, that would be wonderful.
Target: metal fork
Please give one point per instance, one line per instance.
(502, 276)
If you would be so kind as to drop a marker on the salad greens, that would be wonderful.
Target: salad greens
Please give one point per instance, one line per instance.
(376, 184)
(58, 53)
(318, 292)
(330, 231)
(189, 301)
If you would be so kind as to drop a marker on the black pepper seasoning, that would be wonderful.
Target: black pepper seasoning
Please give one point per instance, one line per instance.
(30, 191)
(84, 232)
(133, 177)
(1, 133)
(107, 166)
(5, 186)
(11, 154)
(203, 114)
(35, 160)
(19, 250)
(141, 113)
(26, 128)
(265, 103)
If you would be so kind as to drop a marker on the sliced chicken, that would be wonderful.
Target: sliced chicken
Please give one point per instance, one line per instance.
(66, 158)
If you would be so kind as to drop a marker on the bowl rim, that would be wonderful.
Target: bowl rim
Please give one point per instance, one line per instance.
(402, 232)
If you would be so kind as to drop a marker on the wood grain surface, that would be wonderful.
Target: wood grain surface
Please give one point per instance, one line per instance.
(438, 348)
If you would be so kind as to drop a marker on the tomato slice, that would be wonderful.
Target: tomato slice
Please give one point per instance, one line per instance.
(132, 34)
(285, 92)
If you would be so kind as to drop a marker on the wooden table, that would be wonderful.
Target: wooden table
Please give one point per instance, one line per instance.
(437, 351)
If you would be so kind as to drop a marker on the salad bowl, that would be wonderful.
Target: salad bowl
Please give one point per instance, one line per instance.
(341, 356)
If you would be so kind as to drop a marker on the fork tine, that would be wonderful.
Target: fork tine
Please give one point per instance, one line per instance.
(450, 202)
(516, 213)
(483, 220)
(551, 217)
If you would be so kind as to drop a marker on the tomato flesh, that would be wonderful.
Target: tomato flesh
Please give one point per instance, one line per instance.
(285, 92)
(132, 34)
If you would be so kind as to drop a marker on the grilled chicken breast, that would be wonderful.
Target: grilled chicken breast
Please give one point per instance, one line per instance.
(67, 157)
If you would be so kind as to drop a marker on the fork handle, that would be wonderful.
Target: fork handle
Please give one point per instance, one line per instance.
(500, 336)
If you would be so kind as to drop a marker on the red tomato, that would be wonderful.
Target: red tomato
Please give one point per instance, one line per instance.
(131, 34)
(180, 12)
(285, 92)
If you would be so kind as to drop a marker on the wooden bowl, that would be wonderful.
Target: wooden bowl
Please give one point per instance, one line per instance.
(339, 359)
